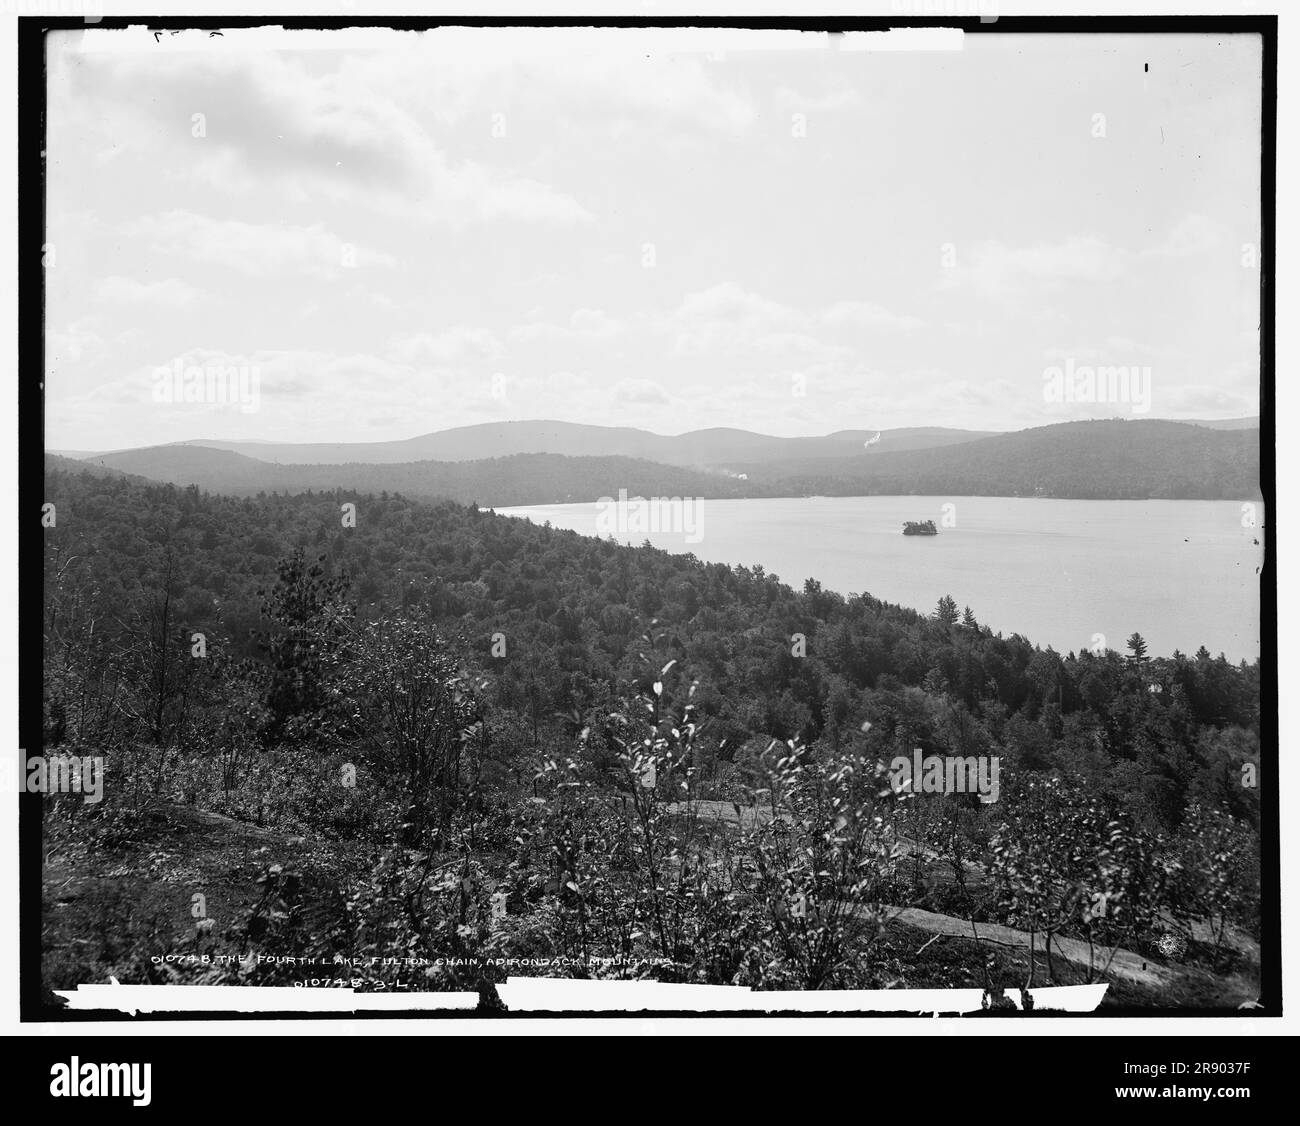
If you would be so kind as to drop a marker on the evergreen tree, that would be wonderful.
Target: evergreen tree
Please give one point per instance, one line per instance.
(309, 615)
(1137, 649)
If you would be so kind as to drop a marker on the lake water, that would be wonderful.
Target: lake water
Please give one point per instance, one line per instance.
(1181, 573)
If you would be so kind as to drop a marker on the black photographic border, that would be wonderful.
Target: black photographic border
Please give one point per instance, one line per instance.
(34, 1006)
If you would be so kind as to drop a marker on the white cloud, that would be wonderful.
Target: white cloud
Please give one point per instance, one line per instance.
(585, 325)
(516, 249)
(728, 318)
(866, 314)
(455, 345)
(347, 135)
(77, 343)
(601, 79)
(995, 270)
(1193, 234)
(731, 319)
(1205, 400)
(828, 101)
(259, 249)
(169, 293)
(640, 391)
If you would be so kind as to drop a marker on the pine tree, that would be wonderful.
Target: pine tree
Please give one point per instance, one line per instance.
(1137, 649)
(308, 614)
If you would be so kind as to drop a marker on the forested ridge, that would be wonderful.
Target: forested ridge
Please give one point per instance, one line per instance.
(501, 692)
(514, 480)
(1100, 459)
(1108, 459)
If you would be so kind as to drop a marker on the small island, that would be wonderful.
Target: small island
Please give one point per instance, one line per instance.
(919, 528)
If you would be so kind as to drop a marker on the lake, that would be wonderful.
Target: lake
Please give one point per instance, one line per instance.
(1181, 573)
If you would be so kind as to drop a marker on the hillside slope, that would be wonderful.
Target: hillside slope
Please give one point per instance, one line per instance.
(1110, 459)
(1082, 460)
(497, 482)
(697, 448)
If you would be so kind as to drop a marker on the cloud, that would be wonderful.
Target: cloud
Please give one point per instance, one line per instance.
(925, 397)
(1121, 350)
(662, 87)
(1193, 234)
(865, 314)
(503, 180)
(829, 101)
(258, 249)
(995, 270)
(455, 345)
(254, 119)
(595, 79)
(585, 325)
(169, 293)
(1203, 400)
(731, 302)
(731, 319)
(336, 389)
(78, 342)
(640, 391)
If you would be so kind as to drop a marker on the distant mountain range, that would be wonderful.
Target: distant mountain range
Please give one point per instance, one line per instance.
(1250, 423)
(1104, 460)
(697, 448)
(495, 482)
(1110, 459)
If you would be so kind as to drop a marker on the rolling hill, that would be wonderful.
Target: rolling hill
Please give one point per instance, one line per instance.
(697, 448)
(1085, 460)
(493, 482)
(1106, 459)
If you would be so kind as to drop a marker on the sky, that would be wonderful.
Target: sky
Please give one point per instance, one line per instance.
(396, 233)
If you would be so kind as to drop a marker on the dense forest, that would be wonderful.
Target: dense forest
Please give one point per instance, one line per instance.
(692, 449)
(499, 482)
(495, 739)
(1083, 460)
(1102, 459)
